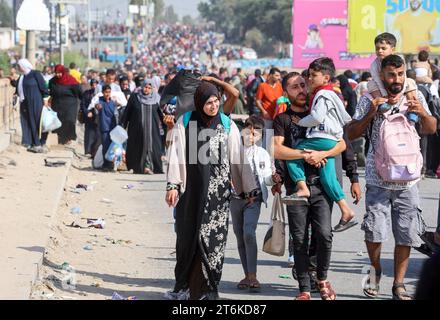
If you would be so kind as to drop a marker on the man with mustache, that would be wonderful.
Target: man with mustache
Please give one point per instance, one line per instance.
(316, 211)
(389, 204)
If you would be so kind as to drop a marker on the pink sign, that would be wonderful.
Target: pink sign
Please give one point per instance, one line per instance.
(319, 29)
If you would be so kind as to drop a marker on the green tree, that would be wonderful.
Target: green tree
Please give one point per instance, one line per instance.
(188, 20)
(5, 15)
(236, 18)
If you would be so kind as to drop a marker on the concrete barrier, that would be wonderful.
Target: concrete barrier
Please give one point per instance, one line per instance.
(8, 114)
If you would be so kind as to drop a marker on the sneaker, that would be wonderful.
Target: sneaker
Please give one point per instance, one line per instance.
(38, 149)
(291, 262)
(179, 296)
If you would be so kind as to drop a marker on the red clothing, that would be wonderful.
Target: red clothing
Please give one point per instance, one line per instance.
(268, 96)
(312, 97)
(66, 79)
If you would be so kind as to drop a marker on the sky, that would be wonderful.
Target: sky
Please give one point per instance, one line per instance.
(184, 7)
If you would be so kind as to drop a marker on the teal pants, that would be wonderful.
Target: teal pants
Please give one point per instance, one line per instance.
(328, 178)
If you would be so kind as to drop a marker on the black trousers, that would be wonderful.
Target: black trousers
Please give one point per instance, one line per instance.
(317, 213)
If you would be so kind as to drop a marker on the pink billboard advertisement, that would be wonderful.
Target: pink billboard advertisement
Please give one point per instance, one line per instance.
(319, 29)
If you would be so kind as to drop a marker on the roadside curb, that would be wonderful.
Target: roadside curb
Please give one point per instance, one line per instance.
(53, 214)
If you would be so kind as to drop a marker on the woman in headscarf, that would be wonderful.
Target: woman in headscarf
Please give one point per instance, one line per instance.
(66, 95)
(143, 120)
(31, 90)
(349, 95)
(92, 136)
(205, 161)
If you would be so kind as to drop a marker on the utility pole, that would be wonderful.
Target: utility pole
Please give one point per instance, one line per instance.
(60, 34)
(89, 33)
(14, 13)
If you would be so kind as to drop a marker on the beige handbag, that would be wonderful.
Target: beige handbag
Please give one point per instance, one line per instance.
(275, 239)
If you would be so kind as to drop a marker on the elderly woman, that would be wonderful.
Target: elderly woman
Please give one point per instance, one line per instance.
(143, 120)
(205, 164)
(31, 90)
(66, 95)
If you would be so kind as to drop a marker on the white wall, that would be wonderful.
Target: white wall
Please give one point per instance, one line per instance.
(6, 38)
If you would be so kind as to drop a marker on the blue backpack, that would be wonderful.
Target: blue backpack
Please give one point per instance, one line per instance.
(226, 121)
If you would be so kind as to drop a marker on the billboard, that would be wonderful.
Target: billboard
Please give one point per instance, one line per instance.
(415, 23)
(319, 29)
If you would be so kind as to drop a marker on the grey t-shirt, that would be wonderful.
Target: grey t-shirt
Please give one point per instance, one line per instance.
(371, 173)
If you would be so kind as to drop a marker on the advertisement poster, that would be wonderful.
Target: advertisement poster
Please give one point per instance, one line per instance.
(415, 23)
(319, 29)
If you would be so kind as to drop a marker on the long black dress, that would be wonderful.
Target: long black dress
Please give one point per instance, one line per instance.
(144, 149)
(202, 215)
(65, 101)
(34, 89)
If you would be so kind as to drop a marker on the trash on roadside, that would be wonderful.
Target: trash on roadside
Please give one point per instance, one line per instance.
(12, 163)
(105, 200)
(88, 248)
(117, 296)
(54, 164)
(283, 276)
(96, 284)
(66, 266)
(75, 210)
(96, 223)
(84, 187)
(360, 254)
(77, 190)
(128, 187)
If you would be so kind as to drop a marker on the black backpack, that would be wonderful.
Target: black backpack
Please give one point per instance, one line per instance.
(433, 103)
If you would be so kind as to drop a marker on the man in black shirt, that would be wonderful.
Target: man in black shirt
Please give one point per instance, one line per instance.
(317, 211)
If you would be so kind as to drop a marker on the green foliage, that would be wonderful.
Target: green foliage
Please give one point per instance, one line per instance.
(5, 15)
(237, 18)
(69, 57)
(4, 62)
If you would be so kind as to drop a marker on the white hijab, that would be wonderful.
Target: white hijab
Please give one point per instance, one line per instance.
(26, 67)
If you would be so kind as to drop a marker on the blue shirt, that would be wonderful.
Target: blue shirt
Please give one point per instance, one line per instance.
(107, 115)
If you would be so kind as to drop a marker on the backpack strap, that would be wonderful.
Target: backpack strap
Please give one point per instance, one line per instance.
(226, 121)
(186, 118)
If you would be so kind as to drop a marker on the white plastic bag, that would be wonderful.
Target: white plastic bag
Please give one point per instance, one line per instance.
(98, 161)
(119, 135)
(50, 121)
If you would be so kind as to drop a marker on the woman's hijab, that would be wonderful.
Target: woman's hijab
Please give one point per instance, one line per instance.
(66, 79)
(26, 67)
(205, 91)
(148, 99)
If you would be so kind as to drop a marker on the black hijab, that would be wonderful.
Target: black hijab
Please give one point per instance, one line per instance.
(205, 91)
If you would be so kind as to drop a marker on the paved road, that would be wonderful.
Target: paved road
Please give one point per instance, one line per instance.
(144, 266)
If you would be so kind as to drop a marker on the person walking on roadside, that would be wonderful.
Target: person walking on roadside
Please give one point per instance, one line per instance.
(65, 93)
(390, 202)
(200, 188)
(31, 90)
(92, 138)
(143, 120)
(267, 96)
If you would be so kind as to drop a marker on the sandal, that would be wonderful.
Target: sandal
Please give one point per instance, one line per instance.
(254, 286)
(326, 291)
(243, 284)
(402, 295)
(369, 290)
(344, 225)
(303, 296)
